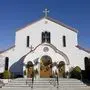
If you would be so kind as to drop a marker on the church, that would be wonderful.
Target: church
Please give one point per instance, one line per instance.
(46, 47)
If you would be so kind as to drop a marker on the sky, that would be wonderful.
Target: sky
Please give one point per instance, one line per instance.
(15, 14)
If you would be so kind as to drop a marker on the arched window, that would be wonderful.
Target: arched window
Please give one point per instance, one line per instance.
(28, 41)
(46, 37)
(64, 41)
(6, 63)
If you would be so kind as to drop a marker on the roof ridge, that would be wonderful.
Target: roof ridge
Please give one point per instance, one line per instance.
(61, 23)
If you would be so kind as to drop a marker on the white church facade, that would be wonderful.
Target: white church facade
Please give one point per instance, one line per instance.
(46, 46)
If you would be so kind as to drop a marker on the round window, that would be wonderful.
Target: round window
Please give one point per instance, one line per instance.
(46, 49)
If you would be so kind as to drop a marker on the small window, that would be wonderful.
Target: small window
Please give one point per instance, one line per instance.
(64, 41)
(28, 41)
(6, 63)
(43, 37)
(46, 37)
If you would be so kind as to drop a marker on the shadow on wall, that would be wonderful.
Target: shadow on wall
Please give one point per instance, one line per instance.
(17, 67)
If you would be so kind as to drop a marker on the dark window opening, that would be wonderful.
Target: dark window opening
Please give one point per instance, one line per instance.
(64, 41)
(87, 68)
(46, 37)
(28, 41)
(87, 63)
(6, 63)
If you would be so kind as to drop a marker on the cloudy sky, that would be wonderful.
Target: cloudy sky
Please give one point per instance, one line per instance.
(18, 13)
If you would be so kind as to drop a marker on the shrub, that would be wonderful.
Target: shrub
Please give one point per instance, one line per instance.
(6, 74)
(76, 73)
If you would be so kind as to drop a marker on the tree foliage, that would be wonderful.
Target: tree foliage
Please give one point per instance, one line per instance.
(6, 74)
(76, 72)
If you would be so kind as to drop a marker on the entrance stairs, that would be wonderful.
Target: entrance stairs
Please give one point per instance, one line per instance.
(47, 82)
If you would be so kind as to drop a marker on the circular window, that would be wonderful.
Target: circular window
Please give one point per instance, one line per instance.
(46, 49)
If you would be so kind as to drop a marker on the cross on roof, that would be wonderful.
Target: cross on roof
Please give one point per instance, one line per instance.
(31, 47)
(46, 11)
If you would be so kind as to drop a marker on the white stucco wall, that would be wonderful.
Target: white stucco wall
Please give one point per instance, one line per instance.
(75, 55)
(35, 30)
(8, 53)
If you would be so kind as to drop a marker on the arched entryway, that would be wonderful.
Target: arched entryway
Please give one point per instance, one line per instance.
(45, 66)
(29, 67)
(61, 69)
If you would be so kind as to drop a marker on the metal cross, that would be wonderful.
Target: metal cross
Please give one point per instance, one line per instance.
(31, 47)
(46, 11)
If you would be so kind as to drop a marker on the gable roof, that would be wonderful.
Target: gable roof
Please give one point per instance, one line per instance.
(53, 20)
(62, 24)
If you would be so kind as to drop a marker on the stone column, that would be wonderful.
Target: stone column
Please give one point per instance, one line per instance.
(67, 70)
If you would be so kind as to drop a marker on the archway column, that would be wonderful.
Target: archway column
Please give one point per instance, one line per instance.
(37, 67)
(24, 71)
(54, 70)
(67, 70)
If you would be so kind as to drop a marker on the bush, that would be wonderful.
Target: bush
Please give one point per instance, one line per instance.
(76, 73)
(6, 74)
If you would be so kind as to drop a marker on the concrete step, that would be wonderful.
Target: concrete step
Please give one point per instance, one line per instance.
(45, 82)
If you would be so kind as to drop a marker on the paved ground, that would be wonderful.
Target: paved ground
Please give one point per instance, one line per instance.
(28, 88)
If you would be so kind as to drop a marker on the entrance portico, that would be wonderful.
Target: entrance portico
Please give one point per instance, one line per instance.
(47, 61)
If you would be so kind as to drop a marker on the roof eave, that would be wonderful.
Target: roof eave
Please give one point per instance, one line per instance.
(62, 24)
(7, 49)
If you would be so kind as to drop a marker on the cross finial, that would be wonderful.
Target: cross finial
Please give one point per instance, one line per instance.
(31, 47)
(46, 11)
